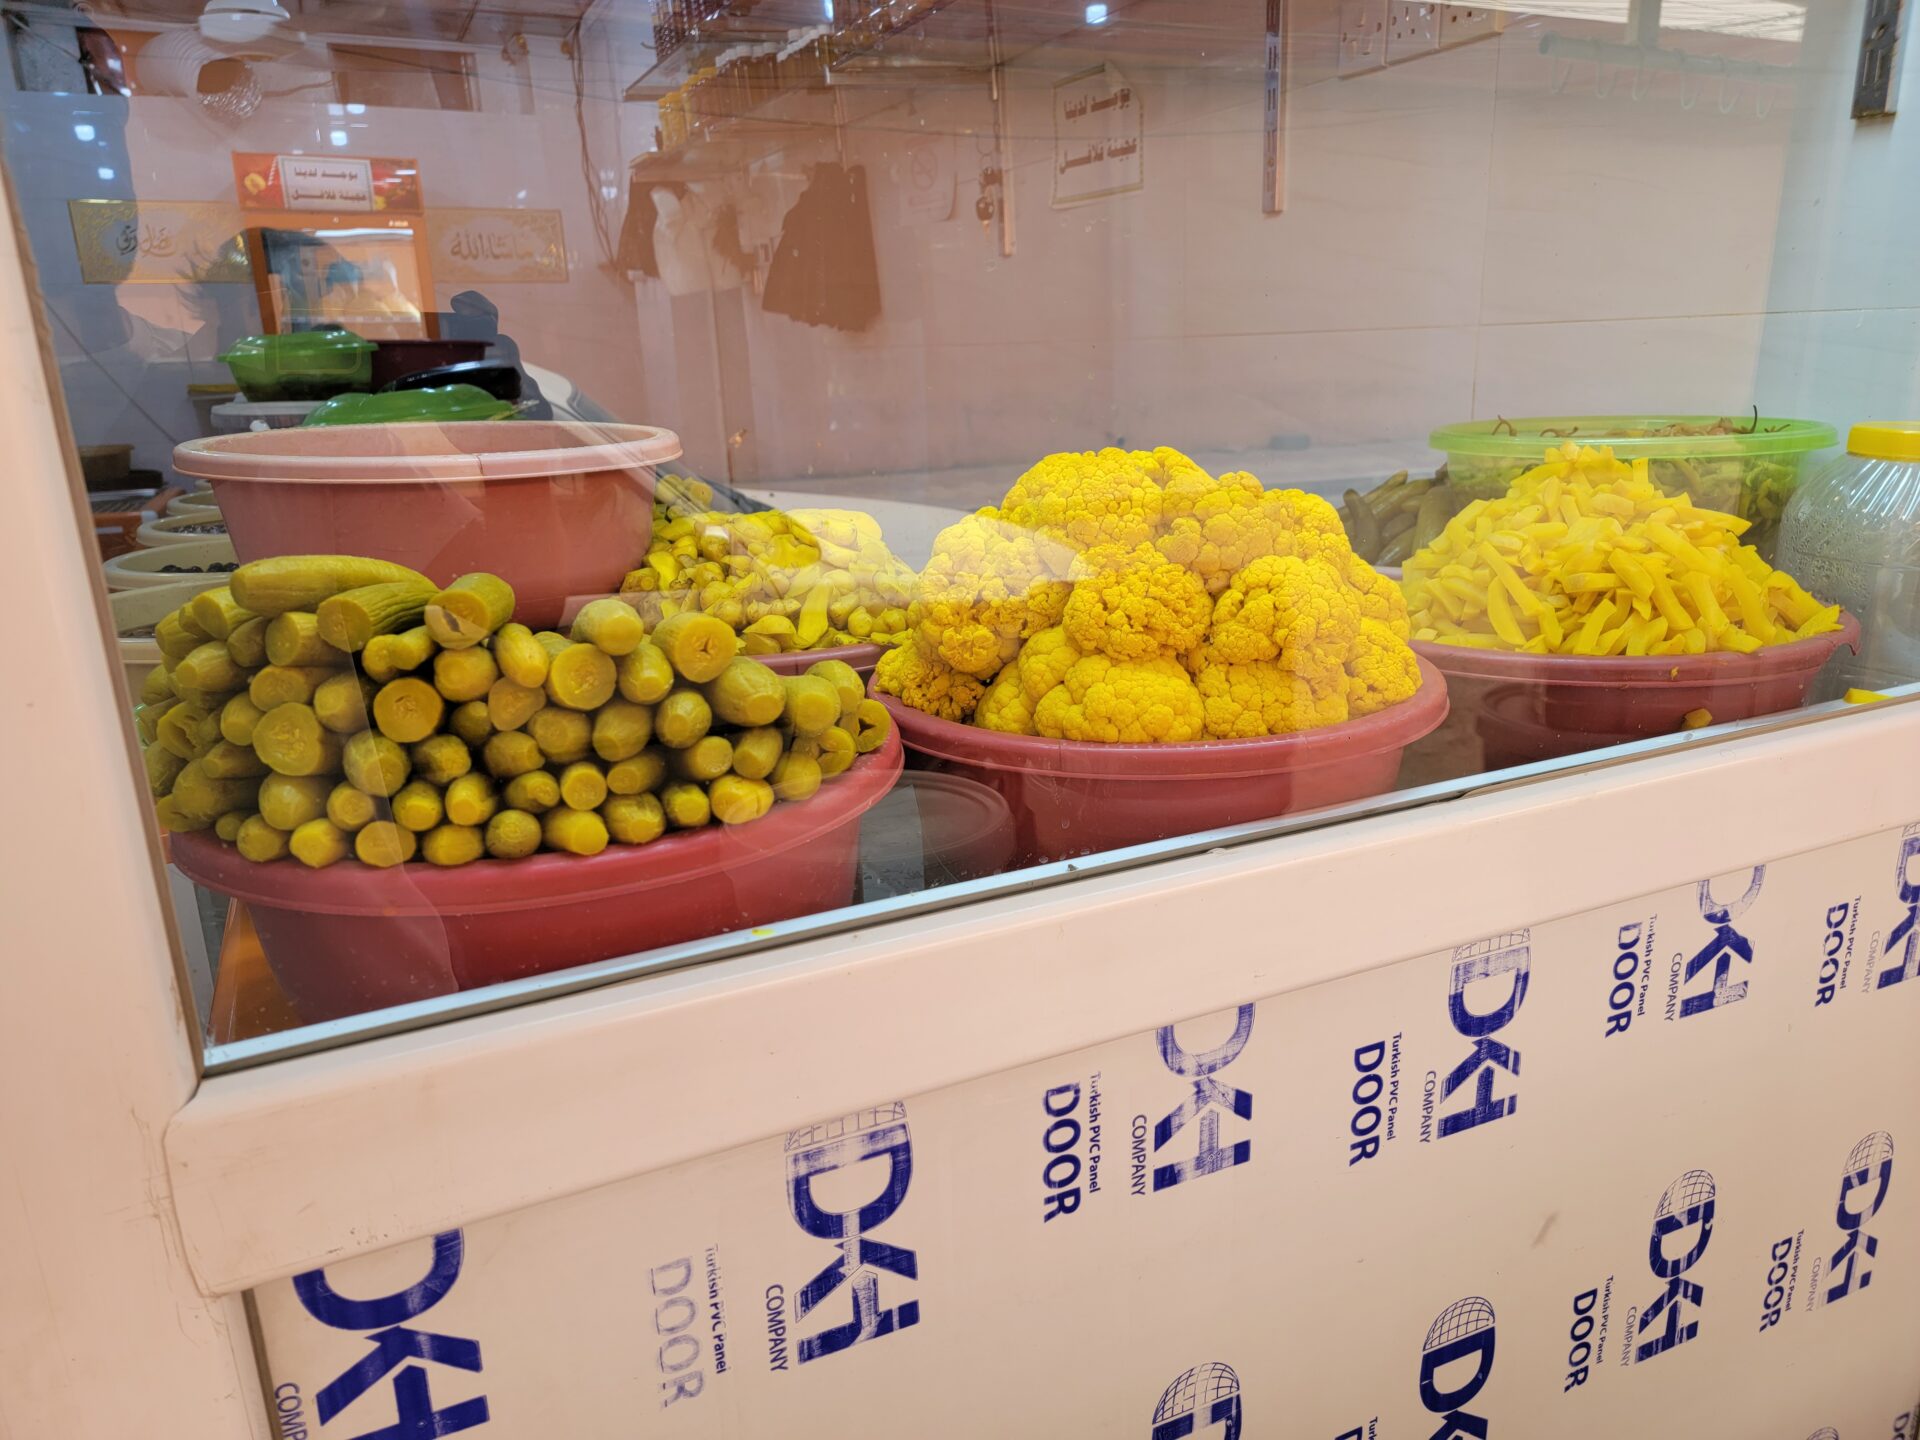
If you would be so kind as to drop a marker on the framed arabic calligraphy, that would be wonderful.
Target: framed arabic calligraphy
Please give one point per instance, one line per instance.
(158, 242)
(475, 247)
(1098, 139)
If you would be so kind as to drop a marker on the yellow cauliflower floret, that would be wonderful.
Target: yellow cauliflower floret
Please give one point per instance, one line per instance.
(1312, 530)
(1122, 702)
(1103, 497)
(1382, 670)
(1264, 697)
(1044, 661)
(1216, 532)
(1175, 474)
(927, 683)
(1135, 604)
(1285, 608)
(1380, 598)
(988, 587)
(1006, 706)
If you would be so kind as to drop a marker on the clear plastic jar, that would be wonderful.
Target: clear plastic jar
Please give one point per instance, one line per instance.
(1852, 535)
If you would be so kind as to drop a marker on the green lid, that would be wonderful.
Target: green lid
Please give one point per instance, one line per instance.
(438, 402)
(289, 352)
(1635, 435)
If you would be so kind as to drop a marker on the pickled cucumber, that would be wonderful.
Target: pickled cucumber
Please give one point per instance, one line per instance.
(686, 806)
(812, 704)
(287, 684)
(870, 726)
(375, 764)
(472, 722)
(341, 702)
(463, 675)
(319, 843)
(294, 638)
(746, 693)
(708, 758)
(581, 677)
(237, 719)
(382, 843)
(389, 656)
(350, 808)
(583, 786)
(845, 680)
(757, 751)
(259, 841)
(416, 807)
(511, 704)
(471, 800)
(469, 610)
(645, 676)
(535, 792)
(441, 759)
(736, 799)
(292, 741)
(643, 772)
(407, 710)
(512, 835)
(621, 730)
(247, 642)
(510, 753)
(634, 819)
(521, 658)
(349, 620)
(681, 719)
(796, 777)
(611, 626)
(288, 801)
(578, 832)
(562, 735)
(450, 845)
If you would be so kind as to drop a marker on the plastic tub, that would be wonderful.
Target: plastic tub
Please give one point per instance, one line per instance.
(397, 359)
(180, 529)
(351, 938)
(190, 559)
(1538, 707)
(306, 365)
(199, 502)
(1073, 797)
(559, 509)
(1749, 472)
(795, 662)
(933, 830)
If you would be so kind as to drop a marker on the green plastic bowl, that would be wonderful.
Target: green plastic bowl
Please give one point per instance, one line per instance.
(1749, 470)
(307, 365)
(436, 402)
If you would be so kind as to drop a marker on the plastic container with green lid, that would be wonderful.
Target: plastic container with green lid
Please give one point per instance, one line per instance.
(306, 365)
(1746, 465)
(1852, 535)
(438, 402)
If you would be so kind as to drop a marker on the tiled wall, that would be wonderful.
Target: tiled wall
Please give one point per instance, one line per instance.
(1462, 239)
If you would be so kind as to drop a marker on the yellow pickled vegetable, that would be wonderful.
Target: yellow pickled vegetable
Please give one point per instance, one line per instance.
(227, 827)
(288, 801)
(228, 761)
(621, 730)
(610, 625)
(870, 726)
(407, 710)
(453, 845)
(736, 799)
(521, 657)
(812, 704)
(645, 771)
(697, 646)
(746, 693)
(208, 668)
(176, 642)
(417, 807)
(294, 638)
(645, 676)
(292, 741)
(463, 675)
(581, 677)
(389, 656)
(510, 704)
(349, 620)
(686, 806)
(510, 753)
(471, 800)
(583, 786)
(535, 792)
(374, 763)
(578, 832)
(163, 767)
(247, 642)
(845, 680)
(260, 842)
(156, 685)
(469, 610)
(562, 735)
(350, 808)
(512, 835)
(1584, 555)
(681, 719)
(472, 722)
(634, 819)
(198, 796)
(441, 759)
(237, 719)
(708, 758)
(756, 752)
(178, 731)
(301, 582)
(382, 843)
(341, 703)
(287, 684)
(216, 612)
(319, 843)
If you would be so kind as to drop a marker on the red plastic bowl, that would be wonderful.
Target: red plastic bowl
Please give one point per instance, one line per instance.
(557, 509)
(1071, 797)
(795, 662)
(351, 938)
(1539, 707)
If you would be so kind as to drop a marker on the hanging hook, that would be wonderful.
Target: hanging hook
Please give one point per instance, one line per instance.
(1558, 75)
(1726, 106)
(1611, 73)
(1642, 82)
(1688, 99)
(1760, 112)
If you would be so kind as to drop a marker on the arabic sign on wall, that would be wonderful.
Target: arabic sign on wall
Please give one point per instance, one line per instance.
(924, 179)
(1097, 140)
(325, 183)
(473, 247)
(158, 242)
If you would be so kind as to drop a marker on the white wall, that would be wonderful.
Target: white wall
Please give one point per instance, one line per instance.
(1460, 241)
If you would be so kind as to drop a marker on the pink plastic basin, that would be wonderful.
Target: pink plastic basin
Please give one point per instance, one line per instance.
(1539, 707)
(557, 509)
(1072, 797)
(352, 938)
(795, 662)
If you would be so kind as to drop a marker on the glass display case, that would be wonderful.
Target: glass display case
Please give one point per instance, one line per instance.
(613, 503)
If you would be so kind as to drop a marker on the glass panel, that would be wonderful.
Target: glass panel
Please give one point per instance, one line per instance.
(710, 471)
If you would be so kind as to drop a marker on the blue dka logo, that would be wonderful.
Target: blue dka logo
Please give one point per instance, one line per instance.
(1684, 1216)
(1455, 1364)
(1198, 1400)
(1211, 1098)
(1863, 1190)
(1486, 989)
(1903, 937)
(874, 1138)
(400, 1350)
(1725, 946)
